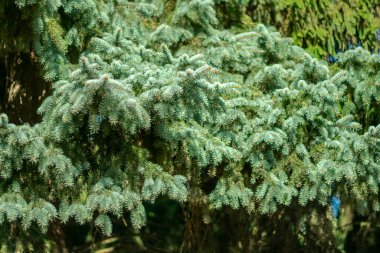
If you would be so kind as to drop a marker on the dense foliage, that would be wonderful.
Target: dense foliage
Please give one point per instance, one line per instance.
(156, 106)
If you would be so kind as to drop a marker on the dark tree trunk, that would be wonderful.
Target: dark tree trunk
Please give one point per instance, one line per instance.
(22, 87)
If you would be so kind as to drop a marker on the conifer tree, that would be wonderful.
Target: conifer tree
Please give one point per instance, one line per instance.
(145, 106)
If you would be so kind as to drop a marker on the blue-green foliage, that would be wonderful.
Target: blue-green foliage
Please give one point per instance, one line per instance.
(145, 113)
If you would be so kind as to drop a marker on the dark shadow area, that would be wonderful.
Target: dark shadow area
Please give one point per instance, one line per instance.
(22, 88)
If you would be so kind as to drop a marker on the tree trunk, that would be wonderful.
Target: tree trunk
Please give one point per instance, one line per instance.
(22, 88)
